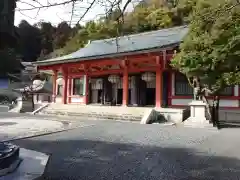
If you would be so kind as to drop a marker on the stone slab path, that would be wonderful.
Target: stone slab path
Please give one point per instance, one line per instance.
(22, 127)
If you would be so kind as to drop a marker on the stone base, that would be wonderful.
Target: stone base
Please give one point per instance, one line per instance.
(32, 166)
(192, 122)
(11, 168)
(9, 154)
(174, 115)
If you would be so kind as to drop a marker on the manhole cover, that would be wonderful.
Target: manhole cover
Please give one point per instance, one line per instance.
(7, 123)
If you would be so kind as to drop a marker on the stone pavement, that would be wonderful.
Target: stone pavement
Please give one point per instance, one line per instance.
(102, 150)
(118, 150)
(13, 126)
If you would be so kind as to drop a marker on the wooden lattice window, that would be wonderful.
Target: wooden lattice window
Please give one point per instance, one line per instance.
(182, 87)
(78, 86)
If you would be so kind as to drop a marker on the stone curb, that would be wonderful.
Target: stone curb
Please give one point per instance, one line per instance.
(45, 133)
(40, 109)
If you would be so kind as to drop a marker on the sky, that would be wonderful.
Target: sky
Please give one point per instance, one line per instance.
(58, 14)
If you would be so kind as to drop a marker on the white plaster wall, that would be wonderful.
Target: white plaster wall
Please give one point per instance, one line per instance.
(58, 99)
(182, 102)
(222, 103)
(77, 100)
(236, 92)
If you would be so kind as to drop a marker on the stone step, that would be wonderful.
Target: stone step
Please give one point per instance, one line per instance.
(93, 116)
(96, 112)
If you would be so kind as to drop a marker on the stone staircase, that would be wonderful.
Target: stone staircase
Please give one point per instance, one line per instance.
(95, 112)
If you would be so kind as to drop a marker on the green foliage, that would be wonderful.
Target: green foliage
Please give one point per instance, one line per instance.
(146, 16)
(47, 31)
(61, 35)
(160, 18)
(9, 64)
(29, 41)
(211, 49)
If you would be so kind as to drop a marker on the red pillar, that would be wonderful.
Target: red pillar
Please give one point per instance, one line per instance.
(69, 89)
(125, 87)
(86, 97)
(54, 85)
(65, 86)
(158, 88)
(170, 88)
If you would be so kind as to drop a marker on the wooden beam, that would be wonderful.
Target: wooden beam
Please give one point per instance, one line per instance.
(120, 71)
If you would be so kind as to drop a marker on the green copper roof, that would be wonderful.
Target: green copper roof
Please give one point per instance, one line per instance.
(126, 44)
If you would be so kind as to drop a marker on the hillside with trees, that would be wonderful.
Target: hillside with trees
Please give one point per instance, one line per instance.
(43, 40)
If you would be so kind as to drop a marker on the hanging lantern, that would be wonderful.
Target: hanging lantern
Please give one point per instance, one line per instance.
(60, 81)
(148, 76)
(113, 79)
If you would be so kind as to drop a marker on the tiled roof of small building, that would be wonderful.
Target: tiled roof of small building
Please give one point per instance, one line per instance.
(126, 44)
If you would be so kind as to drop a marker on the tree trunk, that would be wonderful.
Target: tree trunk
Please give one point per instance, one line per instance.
(32, 100)
(215, 111)
(208, 108)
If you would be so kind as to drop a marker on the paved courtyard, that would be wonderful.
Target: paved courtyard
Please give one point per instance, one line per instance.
(105, 150)
(18, 126)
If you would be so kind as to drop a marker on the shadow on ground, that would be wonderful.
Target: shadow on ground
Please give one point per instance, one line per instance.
(96, 160)
(227, 124)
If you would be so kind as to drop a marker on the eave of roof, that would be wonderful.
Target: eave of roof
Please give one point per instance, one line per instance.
(72, 60)
(144, 42)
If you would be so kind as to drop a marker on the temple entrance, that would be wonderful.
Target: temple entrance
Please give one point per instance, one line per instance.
(119, 96)
(150, 96)
(99, 96)
(109, 91)
(96, 91)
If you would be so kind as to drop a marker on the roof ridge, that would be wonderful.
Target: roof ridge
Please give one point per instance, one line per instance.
(142, 33)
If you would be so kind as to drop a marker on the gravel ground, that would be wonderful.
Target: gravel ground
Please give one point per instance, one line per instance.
(128, 151)
(17, 127)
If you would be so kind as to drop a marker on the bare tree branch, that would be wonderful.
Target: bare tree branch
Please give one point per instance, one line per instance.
(73, 6)
(84, 14)
(47, 6)
(108, 5)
